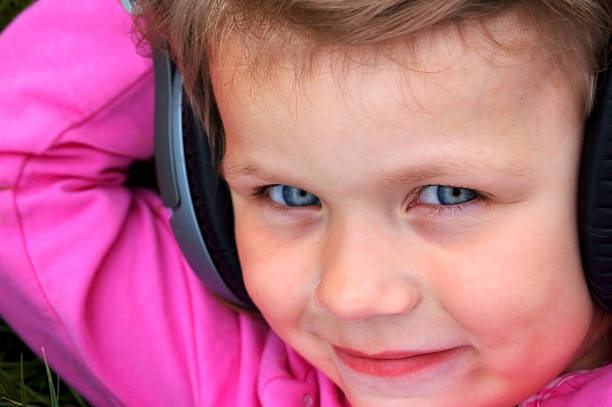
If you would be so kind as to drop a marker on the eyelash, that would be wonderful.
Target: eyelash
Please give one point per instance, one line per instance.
(447, 210)
(261, 194)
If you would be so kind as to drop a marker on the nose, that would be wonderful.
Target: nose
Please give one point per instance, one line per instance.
(364, 272)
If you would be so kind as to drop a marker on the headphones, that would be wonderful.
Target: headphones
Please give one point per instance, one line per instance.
(199, 200)
(595, 195)
(201, 209)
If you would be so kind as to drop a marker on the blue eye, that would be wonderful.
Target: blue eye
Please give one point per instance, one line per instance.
(446, 195)
(291, 196)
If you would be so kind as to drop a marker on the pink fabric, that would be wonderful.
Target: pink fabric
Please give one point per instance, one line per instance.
(89, 268)
(576, 389)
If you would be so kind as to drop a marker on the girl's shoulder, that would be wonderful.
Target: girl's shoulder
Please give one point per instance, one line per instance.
(578, 388)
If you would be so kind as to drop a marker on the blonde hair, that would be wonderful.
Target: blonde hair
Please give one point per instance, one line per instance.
(576, 32)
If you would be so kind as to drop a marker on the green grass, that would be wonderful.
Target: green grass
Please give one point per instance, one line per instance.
(25, 380)
(9, 9)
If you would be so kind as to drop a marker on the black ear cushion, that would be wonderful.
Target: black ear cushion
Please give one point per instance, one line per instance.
(595, 197)
(212, 203)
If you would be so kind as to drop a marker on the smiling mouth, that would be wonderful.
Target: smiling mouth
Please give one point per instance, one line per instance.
(394, 364)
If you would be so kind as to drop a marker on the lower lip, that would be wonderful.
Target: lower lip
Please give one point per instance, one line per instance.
(394, 365)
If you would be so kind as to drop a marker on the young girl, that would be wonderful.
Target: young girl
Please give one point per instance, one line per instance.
(403, 178)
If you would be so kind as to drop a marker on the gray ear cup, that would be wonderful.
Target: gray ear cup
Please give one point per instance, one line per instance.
(595, 196)
(202, 216)
(213, 206)
(128, 5)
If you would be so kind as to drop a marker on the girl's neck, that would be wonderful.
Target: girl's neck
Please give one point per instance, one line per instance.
(595, 351)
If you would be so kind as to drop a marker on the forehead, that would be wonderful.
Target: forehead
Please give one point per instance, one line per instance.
(255, 72)
(446, 83)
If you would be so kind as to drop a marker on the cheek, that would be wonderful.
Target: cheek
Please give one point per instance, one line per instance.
(521, 293)
(276, 273)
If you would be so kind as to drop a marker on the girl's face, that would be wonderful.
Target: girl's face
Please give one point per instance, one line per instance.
(411, 230)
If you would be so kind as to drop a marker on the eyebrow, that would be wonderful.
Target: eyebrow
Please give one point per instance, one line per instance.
(423, 172)
(238, 169)
(415, 173)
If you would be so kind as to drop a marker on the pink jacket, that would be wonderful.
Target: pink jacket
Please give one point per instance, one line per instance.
(89, 268)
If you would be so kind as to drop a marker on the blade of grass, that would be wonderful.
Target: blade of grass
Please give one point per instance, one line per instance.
(13, 402)
(5, 384)
(52, 394)
(8, 390)
(77, 398)
(24, 403)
